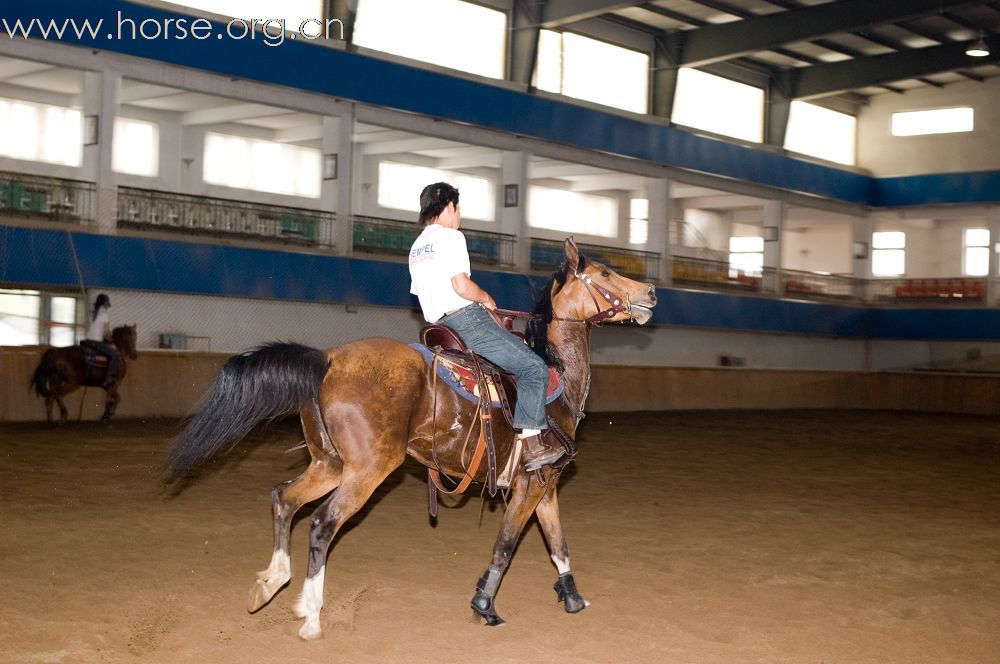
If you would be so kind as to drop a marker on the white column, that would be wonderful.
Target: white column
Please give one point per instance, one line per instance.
(661, 211)
(861, 252)
(101, 92)
(773, 222)
(335, 193)
(514, 217)
(992, 282)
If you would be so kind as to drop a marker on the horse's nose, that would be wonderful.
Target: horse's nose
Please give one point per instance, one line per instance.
(652, 294)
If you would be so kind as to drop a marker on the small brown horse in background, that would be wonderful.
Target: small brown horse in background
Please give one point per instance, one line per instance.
(62, 370)
(366, 405)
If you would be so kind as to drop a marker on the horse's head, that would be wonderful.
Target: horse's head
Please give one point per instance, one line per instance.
(596, 293)
(124, 338)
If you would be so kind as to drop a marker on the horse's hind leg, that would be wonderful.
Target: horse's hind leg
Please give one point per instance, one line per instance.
(357, 486)
(320, 478)
(525, 496)
(63, 411)
(548, 518)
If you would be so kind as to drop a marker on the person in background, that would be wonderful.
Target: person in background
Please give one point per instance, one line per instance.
(442, 280)
(98, 337)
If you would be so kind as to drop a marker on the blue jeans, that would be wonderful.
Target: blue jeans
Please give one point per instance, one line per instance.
(482, 334)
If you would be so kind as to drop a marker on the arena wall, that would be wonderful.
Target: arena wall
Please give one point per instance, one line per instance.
(168, 384)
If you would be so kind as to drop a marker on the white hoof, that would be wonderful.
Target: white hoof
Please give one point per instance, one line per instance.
(310, 630)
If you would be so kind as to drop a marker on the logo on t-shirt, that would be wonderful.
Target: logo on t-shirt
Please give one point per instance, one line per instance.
(417, 253)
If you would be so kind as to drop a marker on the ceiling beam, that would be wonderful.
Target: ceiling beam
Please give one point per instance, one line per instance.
(835, 77)
(235, 113)
(561, 12)
(713, 43)
(14, 68)
(415, 144)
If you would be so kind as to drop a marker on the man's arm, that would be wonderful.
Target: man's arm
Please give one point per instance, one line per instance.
(470, 290)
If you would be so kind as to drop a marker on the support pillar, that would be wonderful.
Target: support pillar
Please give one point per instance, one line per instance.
(514, 207)
(661, 211)
(101, 93)
(335, 192)
(993, 275)
(861, 253)
(774, 221)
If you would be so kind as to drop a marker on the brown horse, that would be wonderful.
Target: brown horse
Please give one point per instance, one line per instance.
(62, 370)
(364, 406)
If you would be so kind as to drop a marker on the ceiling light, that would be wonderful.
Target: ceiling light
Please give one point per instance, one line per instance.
(978, 48)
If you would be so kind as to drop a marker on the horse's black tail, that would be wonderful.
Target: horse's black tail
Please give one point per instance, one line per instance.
(45, 377)
(270, 381)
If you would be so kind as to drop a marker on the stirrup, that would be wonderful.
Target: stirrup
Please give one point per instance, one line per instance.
(547, 455)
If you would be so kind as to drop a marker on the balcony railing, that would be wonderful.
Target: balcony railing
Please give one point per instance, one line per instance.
(713, 274)
(816, 284)
(220, 217)
(645, 265)
(48, 198)
(928, 291)
(390, 236)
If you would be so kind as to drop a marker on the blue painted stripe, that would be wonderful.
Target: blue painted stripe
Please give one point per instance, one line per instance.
(37, 257)
(327, 71)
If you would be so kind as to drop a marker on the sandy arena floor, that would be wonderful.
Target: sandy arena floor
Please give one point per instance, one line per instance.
(806, 537)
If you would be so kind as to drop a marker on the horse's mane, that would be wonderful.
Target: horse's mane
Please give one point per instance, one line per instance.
(537, 331)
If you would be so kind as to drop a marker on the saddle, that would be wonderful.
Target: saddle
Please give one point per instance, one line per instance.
(480, 381)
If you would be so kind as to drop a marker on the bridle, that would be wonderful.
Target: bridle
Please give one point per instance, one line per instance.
(618, 305)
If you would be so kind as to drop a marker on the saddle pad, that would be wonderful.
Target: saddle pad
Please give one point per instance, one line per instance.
(93, 358)
(462, 381)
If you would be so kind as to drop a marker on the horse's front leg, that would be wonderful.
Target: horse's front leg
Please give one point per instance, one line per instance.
(110, 403)
(548, 518)
(527, 491)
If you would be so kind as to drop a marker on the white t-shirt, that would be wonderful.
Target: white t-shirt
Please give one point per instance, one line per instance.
(435, 257)
(96, 330)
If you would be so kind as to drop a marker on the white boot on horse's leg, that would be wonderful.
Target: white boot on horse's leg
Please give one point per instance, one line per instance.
(309, 604)
(270, 581)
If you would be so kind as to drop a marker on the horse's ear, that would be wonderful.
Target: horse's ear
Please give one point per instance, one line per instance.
(572, 255)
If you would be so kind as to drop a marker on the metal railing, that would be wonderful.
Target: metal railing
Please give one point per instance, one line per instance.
(391, 236)
(808, 285)
(57, 199)
(221, 217)
(956, 290)
(645, 265)
(713, 274)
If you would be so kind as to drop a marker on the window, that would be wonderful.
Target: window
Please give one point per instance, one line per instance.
(937, 121)
(248, 163)
(976, 256)
(293, 12)
(746, 255)
(638, 223)
(590, 69)
(399, 187)
(719, 105)
(572, 212)
(450, 33)
(888, 253)
(136, 147)
(29, 318)
(820, 132)
(39, 132)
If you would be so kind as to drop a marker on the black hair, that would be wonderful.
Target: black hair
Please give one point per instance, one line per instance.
(537, 332)
(101, 301)
(434, 199)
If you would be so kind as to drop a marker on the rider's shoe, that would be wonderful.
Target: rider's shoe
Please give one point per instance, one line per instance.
(537, 452)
